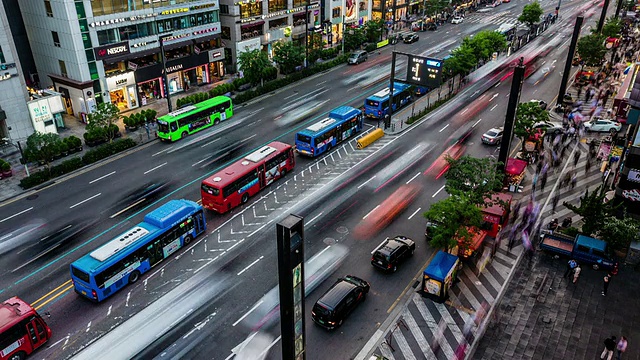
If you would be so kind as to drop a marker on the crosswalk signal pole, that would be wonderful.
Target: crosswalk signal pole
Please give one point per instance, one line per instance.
(510, 117)
(567, 64)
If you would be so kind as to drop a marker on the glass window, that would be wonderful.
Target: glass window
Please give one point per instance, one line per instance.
(56, 38)
(83, 276)
(84, 26)
(86, 41)
(336, 12)
(63, 68)
(224, 9)
(2, 60)
(276, 5)
(297, 3)
(250, 10)
(90, 55)
(109, 36)
(80, 10)
(47, 8)
(93, 70)
(226, 33)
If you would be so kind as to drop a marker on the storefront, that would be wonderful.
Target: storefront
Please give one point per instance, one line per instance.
(123, 90)
(216, 64)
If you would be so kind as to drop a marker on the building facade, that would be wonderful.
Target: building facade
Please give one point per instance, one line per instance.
(340, 15)
(15, 124)
(112, 50)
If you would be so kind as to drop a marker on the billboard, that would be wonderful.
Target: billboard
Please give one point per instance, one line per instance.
(424, 71)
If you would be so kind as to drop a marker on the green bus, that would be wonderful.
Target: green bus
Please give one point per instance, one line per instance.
(193, 118)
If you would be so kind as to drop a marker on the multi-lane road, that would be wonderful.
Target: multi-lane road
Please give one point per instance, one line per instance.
(334, 193)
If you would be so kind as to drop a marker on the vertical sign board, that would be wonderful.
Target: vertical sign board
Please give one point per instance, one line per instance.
(424, 71)
(290, 239)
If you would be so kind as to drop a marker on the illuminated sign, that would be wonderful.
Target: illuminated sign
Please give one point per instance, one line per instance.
(278, 13)
(174, 68)
(424, 71)
(174, 11)
(144, 43)
(205, 6)
(634, 175)
(109, 51)
(167, 39)
(245, 2)
(119, 20)
(205, 31)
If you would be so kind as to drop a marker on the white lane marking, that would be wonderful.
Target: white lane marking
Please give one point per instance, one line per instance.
(365, 183)
(249, 138)
(14, 215)
(446, 126)
(374, 209)
(256, 111)
(464, 111)
(102, 177)
(247, 313)
(205, 159)
(59, 341)
(126, 303)
(155, 168)
(88, 327)
(109, 311)
(494, 96)
(250, 265)
(414, 213)
(290, 96)
(476, 123)
(161, 151)
(85, 200)
(437, 192)
(210, 142)
(127, 208)
(415, 176)
(493, 107)
(317, 216)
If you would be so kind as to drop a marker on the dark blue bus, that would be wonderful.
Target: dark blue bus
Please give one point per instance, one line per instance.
(377, 105)
(342, 123)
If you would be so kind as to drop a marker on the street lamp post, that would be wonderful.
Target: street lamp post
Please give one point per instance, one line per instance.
(306, 34)
(164, 73)
(343, 32)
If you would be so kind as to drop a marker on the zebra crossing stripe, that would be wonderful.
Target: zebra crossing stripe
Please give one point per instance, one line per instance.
(402, 344)
(451, 324)
(453, 298)
(492, 281)
(464, 290)
(418, 335)
(432, 324)
(470, 274)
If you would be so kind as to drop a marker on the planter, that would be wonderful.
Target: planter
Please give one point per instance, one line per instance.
(6, 174)
(131, 128)
(78, 149)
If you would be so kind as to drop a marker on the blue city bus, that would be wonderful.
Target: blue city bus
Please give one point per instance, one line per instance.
(342, 123)
(377, 105)
(125, 258)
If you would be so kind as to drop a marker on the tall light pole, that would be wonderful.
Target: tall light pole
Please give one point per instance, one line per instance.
(343, 31)
(306, 35)
(164, 72)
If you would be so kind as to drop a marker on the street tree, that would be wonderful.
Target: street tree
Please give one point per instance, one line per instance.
(619, 232)
(591, 49)
(315, 47)
(373, 30)
(612, 27)
(474, 178)
(527, 115)
(493, 40)
(288, 56)
(103, 117)
(461, 62)
(434, 7)
(478, 47)
(594, 212)
(252, 64)
(531, 14)
(41, 147)
(452, 215)
(354, 38)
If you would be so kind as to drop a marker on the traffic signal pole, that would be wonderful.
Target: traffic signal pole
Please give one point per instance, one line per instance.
(510, 117)
(567, 64)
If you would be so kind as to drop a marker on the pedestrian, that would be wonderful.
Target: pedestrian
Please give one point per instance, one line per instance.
(622, 346)
(576, 274)
(543, 181)
(574, 181)
(572, 264)
(554, 203)
(576, 158)
(587, 166)
(607, 280)
(609, 346)
(565, 180)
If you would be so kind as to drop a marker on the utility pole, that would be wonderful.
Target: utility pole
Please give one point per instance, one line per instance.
(164, 73)
(510, 118)
(603, 16)
(387, 117)
(567, 64)
(343, 32)
(306, 34)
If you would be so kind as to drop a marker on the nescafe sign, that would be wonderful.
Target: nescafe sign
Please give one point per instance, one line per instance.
(113, 50)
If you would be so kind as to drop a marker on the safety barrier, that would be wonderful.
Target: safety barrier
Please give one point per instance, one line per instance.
(368, 139)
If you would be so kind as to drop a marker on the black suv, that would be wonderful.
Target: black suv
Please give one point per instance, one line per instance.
(334, 306)
(391, 252)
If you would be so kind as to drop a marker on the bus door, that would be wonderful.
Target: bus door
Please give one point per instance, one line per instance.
(37, 333)
(338, 132)
(292, 158)
(200, 223)
(261, 178)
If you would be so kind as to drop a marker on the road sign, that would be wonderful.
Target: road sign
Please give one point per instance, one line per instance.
(424, 71)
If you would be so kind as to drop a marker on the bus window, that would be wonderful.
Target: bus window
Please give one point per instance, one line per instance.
(304, 138)
(210, 190)
(372, 103)
(174, 126)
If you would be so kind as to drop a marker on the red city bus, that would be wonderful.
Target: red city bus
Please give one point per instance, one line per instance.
(234, 185)
(22, 330)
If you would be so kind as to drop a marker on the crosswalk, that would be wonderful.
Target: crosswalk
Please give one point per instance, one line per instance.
(496, 19)
(412, 336)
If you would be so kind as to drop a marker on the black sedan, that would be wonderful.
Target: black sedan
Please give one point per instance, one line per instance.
(411, 38)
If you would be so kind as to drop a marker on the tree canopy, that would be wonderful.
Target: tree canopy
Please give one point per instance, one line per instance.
(527, 114)
(462, 61)
(373, 30)
(591, 49)
(315, 47)
(619, 232)
(452, 215)
(288, 55)
(612, 27)
(353, 38)
(485, 43)
(531, 14)
(103, 117)
(252, 63)
(41, 147)
(474, 178)
(595, 213)
(434, 7)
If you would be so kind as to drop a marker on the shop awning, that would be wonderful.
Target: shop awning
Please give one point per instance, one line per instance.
(80, 85)
(248, 26)
(495, 208)
(515, 166)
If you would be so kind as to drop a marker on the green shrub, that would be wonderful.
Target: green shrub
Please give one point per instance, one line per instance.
(4, 165)
(371, 47)
(106, 150)
(151, 115)
(34, 179)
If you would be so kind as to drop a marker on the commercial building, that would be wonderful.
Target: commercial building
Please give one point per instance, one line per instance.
(350, 12)
(112, 50)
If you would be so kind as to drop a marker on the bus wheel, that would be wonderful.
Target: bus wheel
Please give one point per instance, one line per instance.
(216, 121)
(184, 134)
(134, 276)
(18, 356)
(245, 198)
(283, 172)
(187, 240)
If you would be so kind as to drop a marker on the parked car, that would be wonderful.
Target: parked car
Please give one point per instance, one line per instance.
(549, 127)
(457, 20)
(431, 26)
(604, 125)
(493, 136)
(543, 104)
(391, 252)
(339, 301)
(411, 38)
(357, 57)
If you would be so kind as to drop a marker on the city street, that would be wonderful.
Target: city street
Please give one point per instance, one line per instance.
(334, 193)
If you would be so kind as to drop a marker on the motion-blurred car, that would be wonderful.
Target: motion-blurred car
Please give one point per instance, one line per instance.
(391, 252)
(411, 38)
(145, 193)
(602, 125)
(543, 104)
(455, 151)
(339, 301)
(457, 20)
(387, 211)
(299, 113)
(22, 236)
(493, 136)
(549, 127)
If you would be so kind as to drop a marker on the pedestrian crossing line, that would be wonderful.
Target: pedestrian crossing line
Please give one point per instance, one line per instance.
(386, 351)
(464, 290)
(457, 304)
(491, 280)
(453, 326)
(402, 344)
(501, 269)
(433, 324)
(418, 335)
(479, 286)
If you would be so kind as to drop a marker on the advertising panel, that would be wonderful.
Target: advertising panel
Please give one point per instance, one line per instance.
(112, 50)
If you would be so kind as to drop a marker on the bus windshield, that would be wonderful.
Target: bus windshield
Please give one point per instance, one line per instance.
(304, 138)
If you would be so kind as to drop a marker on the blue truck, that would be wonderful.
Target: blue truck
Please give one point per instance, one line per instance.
(582, 248)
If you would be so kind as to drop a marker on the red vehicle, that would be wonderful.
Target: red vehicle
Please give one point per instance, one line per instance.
(234, 185)
(495, 216)
(467, 249)
(22, 330)
(387, 211)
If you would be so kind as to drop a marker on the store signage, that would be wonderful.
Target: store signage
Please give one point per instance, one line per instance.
(174, 11)
(132, 66)
(248, 20)
(118, 81)
(167, 39)
(205, 6)
(6, 76)
(633, 194)
(216, 55)
(278, 13)
(245, 2)
(119, 20)
(206, 31)
(634, 175)
(144, 43)
(174, 68)
(424, 71)
(109, 51)
(39, 110)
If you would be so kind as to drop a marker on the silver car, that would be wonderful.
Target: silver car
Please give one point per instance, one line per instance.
(549, 127)
(493, 136)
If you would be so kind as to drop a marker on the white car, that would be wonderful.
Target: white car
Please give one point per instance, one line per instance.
(549, 127)
(493, 136)
(457, 20)
(604, 125)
